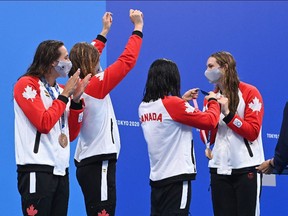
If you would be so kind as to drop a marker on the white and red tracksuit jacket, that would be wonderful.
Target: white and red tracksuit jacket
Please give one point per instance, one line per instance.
(35, 110)
(167, 127)
(237, 139)
(99, 136)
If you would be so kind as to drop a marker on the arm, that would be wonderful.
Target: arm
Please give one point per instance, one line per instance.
(103, 83)
(75, 119)
(100, 41)
(248, 127)
(182, 112)
(281, 151)
(210, 134)
(27, 96)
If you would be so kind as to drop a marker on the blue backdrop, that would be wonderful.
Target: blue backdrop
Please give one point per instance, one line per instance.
(186, 32)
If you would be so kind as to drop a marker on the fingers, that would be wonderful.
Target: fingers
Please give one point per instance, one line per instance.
(191, 94)
(108, 16)
(80, 88)
(211, 95)
(265, 168)
(194, 93)
(136, 16)
(86, 80)
(136, 13)
(76, 74)
(107, 22)
(71, 84)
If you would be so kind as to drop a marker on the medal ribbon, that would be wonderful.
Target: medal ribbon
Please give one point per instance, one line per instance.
(51, 93)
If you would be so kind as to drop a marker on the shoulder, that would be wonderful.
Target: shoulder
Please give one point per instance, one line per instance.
(172, 99)
(246, 88)
(27, 80)
(174, 103)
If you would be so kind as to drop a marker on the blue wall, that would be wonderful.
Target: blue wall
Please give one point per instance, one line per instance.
(185, 31)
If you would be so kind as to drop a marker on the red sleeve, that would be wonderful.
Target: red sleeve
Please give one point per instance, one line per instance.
(75, 120)
(181, 111)
(248, 127)
(210, 134)
(99, 44)
(101, 84)
(27, 96)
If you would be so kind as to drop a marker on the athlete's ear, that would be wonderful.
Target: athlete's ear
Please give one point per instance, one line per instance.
(55, 63)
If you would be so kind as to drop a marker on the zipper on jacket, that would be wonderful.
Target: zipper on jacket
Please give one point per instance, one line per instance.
(248, 147)
(37, 141)
(192, 155)
(112, 131)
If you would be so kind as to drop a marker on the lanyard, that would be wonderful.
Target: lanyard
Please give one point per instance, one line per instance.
(51, 93)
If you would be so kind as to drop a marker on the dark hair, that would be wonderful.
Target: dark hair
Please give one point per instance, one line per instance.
(46, 53)
(231, 80)
(84, 56)
(163, 80)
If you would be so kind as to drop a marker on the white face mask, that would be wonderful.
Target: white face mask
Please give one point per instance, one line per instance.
(63, 68)
(213, 75)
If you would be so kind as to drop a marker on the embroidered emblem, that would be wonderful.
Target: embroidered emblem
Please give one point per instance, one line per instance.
(29, 93)
(80, 117)
(31, 211)
(237, 123)
(103, 213)
(189, 108)
(250, 175)
(46, 93)
(100, 76)
(255, 105)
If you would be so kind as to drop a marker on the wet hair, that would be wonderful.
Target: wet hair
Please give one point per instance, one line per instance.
(163, 80)
(230, 80)
(46, 53)
(84, 56)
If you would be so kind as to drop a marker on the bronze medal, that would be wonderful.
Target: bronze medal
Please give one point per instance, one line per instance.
(63, 140)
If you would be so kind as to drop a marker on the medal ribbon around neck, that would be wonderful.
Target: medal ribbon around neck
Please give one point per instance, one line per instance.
(51, 93)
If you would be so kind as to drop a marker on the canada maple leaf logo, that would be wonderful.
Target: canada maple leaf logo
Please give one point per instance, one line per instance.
(100, 76)
(255, 105)
(31, 211)
(29, 93)
(103, 213)
(189, 108)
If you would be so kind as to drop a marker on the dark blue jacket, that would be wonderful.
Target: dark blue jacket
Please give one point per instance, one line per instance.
(281, 150)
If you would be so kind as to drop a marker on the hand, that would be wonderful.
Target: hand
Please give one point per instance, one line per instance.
(224, 102)
(81, 86)
(211, 95)
(191, 94)
(136, 17)
(71, 84)
(266, 167)
(107, 22)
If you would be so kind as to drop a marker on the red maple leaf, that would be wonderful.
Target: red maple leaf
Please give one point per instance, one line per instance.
(31, 211)
(103, 213)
